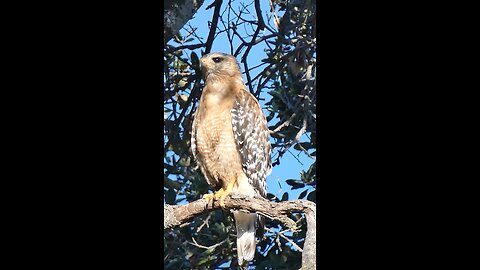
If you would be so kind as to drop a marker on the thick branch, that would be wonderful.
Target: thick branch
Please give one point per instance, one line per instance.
(176, 215)
(176, 14)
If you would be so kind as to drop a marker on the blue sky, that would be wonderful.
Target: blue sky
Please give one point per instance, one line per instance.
(293, 161)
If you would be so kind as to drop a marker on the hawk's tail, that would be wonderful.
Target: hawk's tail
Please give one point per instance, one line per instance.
(246, 243)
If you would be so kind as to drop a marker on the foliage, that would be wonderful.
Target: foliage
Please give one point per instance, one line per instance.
(286, 79)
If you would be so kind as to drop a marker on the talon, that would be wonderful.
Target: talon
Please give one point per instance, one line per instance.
(222, 201)
(208, 197)
(225, 193)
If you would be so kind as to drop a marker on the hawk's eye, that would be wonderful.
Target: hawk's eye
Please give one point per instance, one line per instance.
(217, 59)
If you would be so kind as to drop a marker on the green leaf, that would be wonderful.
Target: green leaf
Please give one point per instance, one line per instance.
(302, 195)
(298, 186)
(295, 183)
(275, 94)
(170, 196)
(184, 161)
(171, 184)
(291, 182)
(305, 145)
(312, 196)
(195, 61)
(285, 197)
(178, 38)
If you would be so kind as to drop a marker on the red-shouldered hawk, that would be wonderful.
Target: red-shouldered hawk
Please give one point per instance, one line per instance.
(230, 142)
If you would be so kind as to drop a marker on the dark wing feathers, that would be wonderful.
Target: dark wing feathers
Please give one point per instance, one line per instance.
(251, 133)
(252, 136)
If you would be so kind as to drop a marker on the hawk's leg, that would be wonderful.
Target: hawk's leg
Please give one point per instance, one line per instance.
(225, 193)
(221, 194)
(209, 197)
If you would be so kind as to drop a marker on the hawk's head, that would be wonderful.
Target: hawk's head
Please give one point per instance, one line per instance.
(217, 64)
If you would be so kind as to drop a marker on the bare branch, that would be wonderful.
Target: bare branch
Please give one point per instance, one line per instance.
(204, 247)
(213, 26)
(286, 123)
(189, 47)
(286, 238)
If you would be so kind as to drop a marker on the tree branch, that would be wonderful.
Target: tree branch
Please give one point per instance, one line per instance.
(213, 27)
(176, 215)
(176, 14)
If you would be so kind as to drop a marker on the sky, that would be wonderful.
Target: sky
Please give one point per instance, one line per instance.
(290, 164)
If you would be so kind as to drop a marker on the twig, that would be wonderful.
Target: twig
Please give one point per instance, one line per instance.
(302, 130)
(260, 26)
(305, 151)
(261, 23)
(190, 47)
(251, 43)
(213, 26)
(205, 247)
(249, 79)
(286, 238)
(177, 122)
(205, 222)
(286, 123)
(275, 17)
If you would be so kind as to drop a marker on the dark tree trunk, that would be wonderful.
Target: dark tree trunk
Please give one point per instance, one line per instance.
(176, 14)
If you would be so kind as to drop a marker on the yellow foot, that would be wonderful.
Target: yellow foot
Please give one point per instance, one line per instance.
(209, 197)
(220, 195)
(213, 196)
(225, 193)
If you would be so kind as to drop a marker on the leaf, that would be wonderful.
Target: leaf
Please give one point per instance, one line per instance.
(275, 94)
(171, 184)
(312, 196)
(291, 182)
(182, 100)
(295, 183)
(195, 61)
(298, 186)
(270, 117)
(302, 195)
(284, 197)
(178, 38)
(170, 196)
(305, 145)
(184, 161)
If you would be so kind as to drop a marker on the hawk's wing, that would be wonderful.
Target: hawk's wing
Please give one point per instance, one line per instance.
(251, 134)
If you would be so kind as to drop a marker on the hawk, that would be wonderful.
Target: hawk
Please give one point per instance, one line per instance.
(230, 143)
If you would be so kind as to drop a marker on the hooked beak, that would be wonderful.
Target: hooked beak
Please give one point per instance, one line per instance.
(202, 62)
